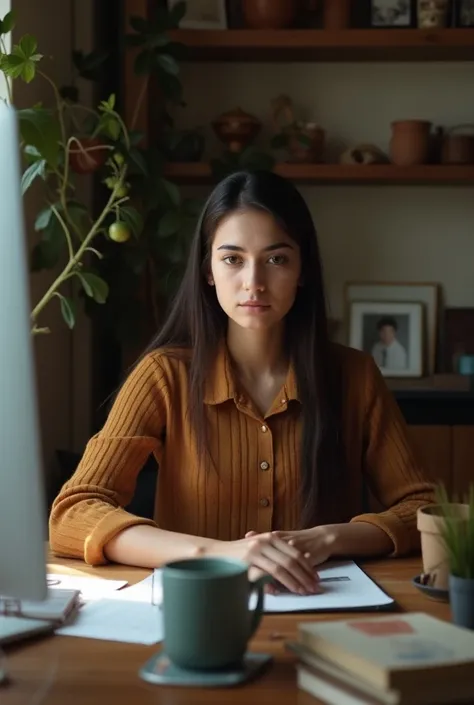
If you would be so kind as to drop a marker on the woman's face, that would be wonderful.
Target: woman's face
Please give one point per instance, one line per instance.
(256, 269)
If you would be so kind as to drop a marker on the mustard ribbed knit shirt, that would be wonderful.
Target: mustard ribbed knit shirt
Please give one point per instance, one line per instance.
(253, 480)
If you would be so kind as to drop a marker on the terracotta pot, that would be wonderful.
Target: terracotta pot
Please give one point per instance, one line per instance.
(433, 13)
(237, 129)
(311, 149)
(337, 14)
(269, 14)
(458, 148)
(435, 557)
(410, 142)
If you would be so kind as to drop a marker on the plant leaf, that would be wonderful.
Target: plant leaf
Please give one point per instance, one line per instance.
(172, 191)
(28, 45)
(139, 24)
(133, 219)
(177, 13)
(144, 62)
(38, 168)
(67, 311)
(8, 23)
(170, 223)
(12, 65)
(43, 219)
(40, 129)
(29, 71)
(168, 64)
(94, 286)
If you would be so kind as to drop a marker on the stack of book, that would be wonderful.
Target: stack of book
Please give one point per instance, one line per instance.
(407, 659)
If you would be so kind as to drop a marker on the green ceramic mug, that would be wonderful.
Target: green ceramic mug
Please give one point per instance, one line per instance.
(206, 614)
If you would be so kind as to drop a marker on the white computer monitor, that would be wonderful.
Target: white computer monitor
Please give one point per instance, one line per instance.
(23, 527)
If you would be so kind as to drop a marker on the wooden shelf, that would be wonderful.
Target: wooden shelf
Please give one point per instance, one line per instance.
(328, 45)
(337, 174)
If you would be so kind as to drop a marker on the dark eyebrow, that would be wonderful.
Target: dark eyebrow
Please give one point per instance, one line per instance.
(270, 248)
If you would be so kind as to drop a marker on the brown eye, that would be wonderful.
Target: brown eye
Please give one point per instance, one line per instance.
(278, 259)
(231, 259)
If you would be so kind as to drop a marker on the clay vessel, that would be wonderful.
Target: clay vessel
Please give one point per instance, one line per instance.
(410, 142)
(269, 14)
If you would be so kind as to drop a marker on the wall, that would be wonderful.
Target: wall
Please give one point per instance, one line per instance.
(63, 358)
(378, 233)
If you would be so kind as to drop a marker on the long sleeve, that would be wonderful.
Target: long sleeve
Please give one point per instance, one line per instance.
(88, 511)
(391, 469)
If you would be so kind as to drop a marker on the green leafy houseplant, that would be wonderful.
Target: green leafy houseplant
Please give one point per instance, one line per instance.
(458, 534)
(102, 257)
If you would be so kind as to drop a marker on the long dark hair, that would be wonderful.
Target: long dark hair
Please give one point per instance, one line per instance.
(196, 321)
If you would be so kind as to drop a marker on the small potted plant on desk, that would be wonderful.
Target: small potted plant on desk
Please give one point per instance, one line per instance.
(458, 538)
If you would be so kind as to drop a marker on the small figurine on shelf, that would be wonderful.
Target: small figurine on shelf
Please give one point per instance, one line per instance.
(303, 140)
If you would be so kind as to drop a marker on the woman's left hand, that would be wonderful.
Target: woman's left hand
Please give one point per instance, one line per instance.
(317, 543)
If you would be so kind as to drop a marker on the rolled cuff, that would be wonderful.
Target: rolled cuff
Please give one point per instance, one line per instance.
(108, 527)
(394, 527)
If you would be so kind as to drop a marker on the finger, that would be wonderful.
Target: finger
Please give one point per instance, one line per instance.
(278, 572)
(302, 580)
(249, 534)
(291, 550)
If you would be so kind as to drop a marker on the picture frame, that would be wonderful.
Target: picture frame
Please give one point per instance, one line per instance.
(392, 333)
(427, 293)
(203, 14)
(386, 14)
(457, 337)
(464, 13)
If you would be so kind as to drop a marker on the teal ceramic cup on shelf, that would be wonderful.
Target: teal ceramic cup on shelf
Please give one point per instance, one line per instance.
(206, 614)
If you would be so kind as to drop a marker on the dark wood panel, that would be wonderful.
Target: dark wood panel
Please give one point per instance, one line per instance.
(463, 458)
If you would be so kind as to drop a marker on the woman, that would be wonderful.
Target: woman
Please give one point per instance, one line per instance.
(264, 432)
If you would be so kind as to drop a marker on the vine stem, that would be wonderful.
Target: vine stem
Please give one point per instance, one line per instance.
(68, 269)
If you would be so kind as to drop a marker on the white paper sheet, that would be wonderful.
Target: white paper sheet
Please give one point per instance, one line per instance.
(117, 620)
(90, 588)
(357, 592)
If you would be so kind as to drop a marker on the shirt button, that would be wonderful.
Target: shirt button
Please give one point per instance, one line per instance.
(283, 401)
(264, 465)
(264, 429)
(264, 502)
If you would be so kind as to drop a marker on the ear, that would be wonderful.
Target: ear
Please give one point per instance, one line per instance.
(210, 280)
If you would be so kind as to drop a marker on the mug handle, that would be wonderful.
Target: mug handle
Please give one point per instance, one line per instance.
(258, 586)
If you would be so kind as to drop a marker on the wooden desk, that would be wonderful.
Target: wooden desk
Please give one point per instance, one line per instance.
(91, 672)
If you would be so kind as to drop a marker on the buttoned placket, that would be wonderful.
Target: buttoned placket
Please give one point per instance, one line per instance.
(265, 459)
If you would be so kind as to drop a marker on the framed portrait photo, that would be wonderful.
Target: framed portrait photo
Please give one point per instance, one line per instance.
(392, 333)
(203, 14)
(465, 13)
(392, 13)
(427, 293)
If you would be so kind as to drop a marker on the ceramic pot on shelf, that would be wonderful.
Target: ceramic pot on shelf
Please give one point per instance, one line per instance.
(458, 145)
(236, 129)
(410, 142)
(269, 14)
(337, 14)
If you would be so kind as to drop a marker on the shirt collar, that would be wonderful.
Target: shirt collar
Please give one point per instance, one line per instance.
(221, 383)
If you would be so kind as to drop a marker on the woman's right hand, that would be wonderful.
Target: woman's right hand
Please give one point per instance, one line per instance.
(273, 556)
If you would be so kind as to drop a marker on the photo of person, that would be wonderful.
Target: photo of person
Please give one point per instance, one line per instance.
(388, 351)
(391, 333)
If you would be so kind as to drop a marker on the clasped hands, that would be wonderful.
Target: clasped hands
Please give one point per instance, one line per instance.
(289, 557)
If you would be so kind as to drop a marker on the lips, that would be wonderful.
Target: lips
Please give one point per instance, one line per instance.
(254, 304)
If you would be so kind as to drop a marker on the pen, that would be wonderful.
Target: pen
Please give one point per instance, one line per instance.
(336, 579)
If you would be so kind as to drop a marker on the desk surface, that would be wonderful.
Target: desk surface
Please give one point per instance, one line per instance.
(92, 672)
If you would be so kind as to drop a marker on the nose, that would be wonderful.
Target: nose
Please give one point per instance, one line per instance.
(253, 279)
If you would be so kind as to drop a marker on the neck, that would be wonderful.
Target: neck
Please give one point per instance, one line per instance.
(257, 352)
